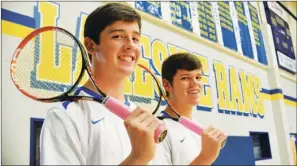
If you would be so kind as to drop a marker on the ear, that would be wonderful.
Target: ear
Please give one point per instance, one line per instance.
(90, 45)
(166, 85)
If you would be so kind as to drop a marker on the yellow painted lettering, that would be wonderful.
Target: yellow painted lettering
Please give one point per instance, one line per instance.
(172, 49)
(51, 60)
(247, 91)
(143, 84)
(160, 53)
(236, 98)
(78, 61)
(206, 97)
(260, 99)
(222, 88)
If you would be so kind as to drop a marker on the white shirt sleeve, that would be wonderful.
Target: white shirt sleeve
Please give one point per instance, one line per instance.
(59, 140)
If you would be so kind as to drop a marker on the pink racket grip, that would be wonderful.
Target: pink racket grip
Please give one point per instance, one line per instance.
(123, 112)
(195, 127)
(117, 107)
(188, 123)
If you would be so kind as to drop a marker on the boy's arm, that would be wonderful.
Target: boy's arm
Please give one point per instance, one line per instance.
(59, 141)
(212, 139)
(162, 156)
(141, 126)
(201, 160)
(131, 160)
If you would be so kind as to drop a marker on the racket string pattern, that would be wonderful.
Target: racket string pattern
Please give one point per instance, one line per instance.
(146, 94)
(27, 74)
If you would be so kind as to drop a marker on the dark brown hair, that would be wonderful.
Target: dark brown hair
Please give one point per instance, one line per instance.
(106, 15)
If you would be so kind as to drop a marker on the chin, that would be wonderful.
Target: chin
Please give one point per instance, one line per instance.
(194, 102)
(126, 71)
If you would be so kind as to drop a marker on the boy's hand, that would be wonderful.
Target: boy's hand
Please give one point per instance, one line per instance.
(212, 139)
(141, 126)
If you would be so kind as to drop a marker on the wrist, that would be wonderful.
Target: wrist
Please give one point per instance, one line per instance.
(202, 160)
(138, 160)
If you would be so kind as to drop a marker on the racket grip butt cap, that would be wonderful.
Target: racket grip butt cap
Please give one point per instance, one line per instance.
(160, 133)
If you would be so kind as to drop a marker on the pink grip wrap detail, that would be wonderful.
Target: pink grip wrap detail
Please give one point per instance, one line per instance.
(117, 108)
(123, 112)
(195, 127)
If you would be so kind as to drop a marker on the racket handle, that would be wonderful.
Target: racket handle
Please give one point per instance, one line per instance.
(195, 127)
(123, 112)
(118, 108)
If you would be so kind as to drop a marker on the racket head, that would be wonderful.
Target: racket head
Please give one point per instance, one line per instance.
(162, 93)
(27, 74)
(156, 101)
(142, 90)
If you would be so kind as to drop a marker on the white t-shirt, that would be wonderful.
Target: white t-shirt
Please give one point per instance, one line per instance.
(83, 133)
(180, 147)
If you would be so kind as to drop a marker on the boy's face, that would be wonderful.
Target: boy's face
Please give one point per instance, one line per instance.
(187, 86)
(119, 48)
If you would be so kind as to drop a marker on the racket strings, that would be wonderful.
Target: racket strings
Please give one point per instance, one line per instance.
(24, 71)
(144, 91)
(163, 97)
(27, 75)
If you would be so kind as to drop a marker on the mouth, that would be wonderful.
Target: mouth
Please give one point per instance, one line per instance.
(127, 58)
(194, 92)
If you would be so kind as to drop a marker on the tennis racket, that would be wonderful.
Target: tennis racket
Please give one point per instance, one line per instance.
(188, 123)
(66, 48)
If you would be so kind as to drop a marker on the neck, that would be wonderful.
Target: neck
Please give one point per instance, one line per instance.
(180, 108)
(109, 84)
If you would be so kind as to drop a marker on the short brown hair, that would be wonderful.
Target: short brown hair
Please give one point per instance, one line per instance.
(106, 15)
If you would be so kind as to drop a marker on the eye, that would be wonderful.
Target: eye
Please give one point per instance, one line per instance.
(117, 37)
(136, 40)
(198, 77)
(184, 78)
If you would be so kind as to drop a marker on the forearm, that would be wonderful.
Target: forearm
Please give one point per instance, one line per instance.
(130, 160)
(201, 160)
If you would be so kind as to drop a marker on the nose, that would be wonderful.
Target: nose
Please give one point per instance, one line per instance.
(129, 43)
(195, 81)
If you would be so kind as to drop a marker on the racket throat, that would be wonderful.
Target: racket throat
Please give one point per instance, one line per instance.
(105, 100)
